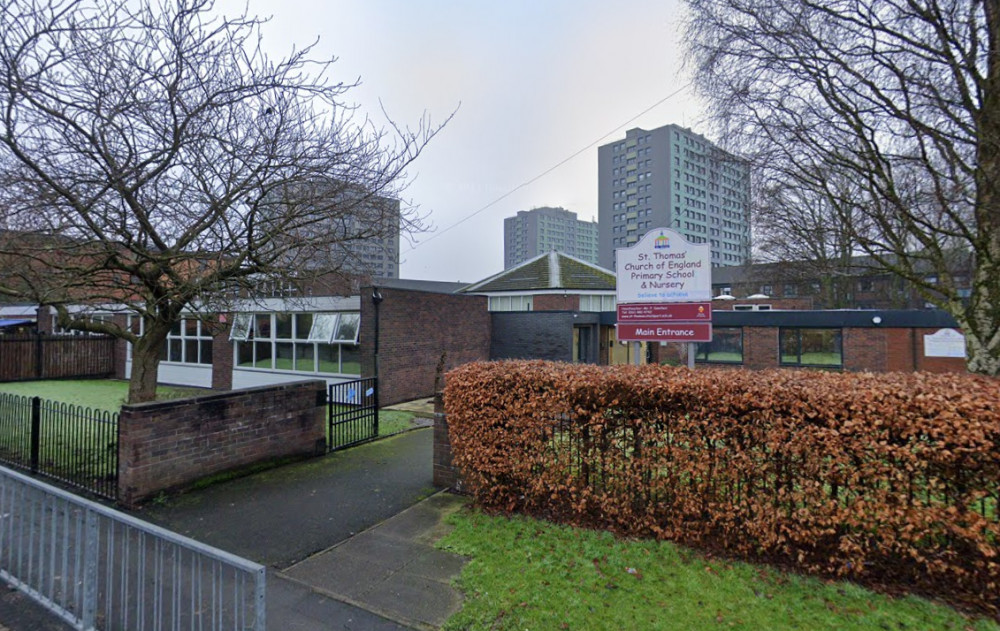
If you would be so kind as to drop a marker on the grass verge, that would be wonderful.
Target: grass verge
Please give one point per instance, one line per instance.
(102, 394)
(530, 574)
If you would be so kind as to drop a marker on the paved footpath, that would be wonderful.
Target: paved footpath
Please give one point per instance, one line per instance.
(20, 613)
(347, 539)
(302, 520)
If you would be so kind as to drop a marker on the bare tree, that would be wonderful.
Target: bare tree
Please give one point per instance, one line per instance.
(887, 112)
(153, 155)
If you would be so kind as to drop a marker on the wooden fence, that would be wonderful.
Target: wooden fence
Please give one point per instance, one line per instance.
(29, 357)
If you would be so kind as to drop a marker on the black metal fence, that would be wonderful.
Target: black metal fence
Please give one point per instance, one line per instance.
(353, 410)
(69, 443)
(25, 357)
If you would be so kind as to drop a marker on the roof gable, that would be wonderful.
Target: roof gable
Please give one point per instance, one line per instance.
(553, 270)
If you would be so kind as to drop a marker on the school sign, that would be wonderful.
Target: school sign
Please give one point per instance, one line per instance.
(664, 267)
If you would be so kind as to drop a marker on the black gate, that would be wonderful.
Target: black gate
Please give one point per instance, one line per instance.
(353, 409)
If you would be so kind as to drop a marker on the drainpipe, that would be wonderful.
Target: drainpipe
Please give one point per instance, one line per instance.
(376, 300)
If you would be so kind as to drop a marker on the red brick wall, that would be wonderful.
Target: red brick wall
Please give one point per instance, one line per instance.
(43, 319)
(935, 364)
(872, 349)
(555, 302)
(776, 303)
(417, 329)
(760, 347)
(904, 351)
(170, 444)
(899, 350)
(865, 349)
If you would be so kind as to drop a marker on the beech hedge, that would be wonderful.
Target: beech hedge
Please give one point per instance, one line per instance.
(886, 477)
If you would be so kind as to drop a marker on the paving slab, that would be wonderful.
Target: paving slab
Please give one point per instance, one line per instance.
(294, 606)
(421, 408)
(393, 569)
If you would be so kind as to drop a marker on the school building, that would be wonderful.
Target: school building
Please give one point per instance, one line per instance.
(553, 307)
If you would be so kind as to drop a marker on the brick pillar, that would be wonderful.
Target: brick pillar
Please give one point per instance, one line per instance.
(222, 354)
(445, 474)
(43, 320)
(121, 349)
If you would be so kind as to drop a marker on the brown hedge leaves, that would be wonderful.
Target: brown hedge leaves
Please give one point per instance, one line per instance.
(888, 477)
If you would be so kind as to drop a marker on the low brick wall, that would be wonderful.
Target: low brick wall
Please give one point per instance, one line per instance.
(170, 444)
(445, 474)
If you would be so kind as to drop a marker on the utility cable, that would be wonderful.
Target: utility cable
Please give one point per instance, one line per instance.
(547, 171)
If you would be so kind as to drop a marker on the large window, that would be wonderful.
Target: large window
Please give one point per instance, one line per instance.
(596, 302)
(188, 342)
(299, 342)
(726, 347)
(510, 303)
(811, 347)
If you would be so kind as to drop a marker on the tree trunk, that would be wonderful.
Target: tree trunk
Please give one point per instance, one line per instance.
(980, 320)
(981, 358)
(983, 331)
(146, 363)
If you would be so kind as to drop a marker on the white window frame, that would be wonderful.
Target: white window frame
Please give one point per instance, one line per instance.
(323, 335)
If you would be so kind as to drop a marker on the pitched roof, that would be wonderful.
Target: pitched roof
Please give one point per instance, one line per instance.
(430, 286)
(552, 270)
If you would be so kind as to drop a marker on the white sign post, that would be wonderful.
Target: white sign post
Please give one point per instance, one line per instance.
(663, 267)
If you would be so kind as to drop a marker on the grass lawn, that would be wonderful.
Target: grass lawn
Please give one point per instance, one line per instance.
(529, 574)
(726, 356)
(103, 394)
(109, 394)
(394, 421)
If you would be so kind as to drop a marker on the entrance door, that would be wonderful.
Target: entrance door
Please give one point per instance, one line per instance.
(619, 353)
(582, 346)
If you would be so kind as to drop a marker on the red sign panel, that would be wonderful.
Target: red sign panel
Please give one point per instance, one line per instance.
(665, 311)
(665, 332)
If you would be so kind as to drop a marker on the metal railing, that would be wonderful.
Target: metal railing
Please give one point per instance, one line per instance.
(70, 443)
(353, 413)
(97, 568)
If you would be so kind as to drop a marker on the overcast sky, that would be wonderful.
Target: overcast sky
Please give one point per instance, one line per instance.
(533, 81)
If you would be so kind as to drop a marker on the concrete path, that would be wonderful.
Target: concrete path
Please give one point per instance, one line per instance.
(281, 516)
(420, 408)
(18, 612)
(336, 559)
(393, 569)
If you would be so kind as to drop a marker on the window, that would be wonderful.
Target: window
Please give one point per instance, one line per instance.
(811, 347)
(596, 302)
(790, 291)
(299, 342)
(347, 328)
(323, 327)
(241, 326)
(726, 347)
(60, 330)
(510, 303)
(188, 342)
